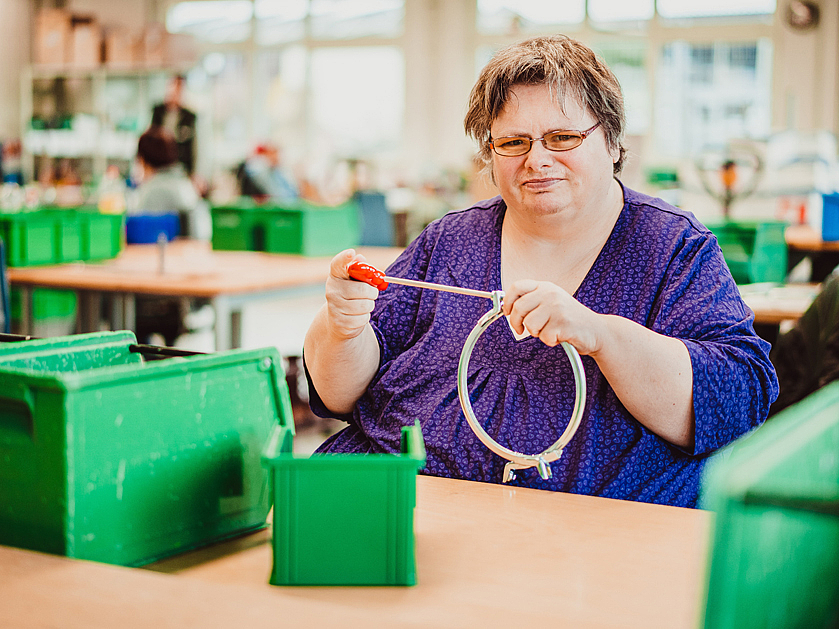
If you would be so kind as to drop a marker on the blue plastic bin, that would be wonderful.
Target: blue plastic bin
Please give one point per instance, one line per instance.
(146, 228)
(830, 216)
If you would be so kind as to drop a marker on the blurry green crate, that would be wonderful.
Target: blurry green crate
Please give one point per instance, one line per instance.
(47, 303)
(30, 238)
(102, 234)
(344, 519)
(312, 230)
(775, 555)
(755, 251)
(238, 227)
(107, 457)
(302, 228)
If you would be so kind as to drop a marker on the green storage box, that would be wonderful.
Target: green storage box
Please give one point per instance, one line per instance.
(303, 228)
(107, 457)
(775, 555)
(53, 235)
(102, 234)
(31, 238)
(47, 304)
(68, 233)
(238, 227)
(344, 519)
(755, 251)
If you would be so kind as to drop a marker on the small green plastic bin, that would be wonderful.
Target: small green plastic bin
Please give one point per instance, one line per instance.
(102, 235)
(238, 227)
(755, 251)
(344, 519)
(312, 230)
(302, 228)
(31, 238)
(774, 560)
(47, 304)
(107, 457)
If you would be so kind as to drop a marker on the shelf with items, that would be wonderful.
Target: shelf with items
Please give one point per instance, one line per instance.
(92, 117)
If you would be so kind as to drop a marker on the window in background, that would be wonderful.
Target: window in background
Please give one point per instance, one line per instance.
(608, 11)
(220, 92)
(357, 100)
(714, 8)
(709, 95)
(521, 16)
(627, 61)
(215, 21)
(346, 19)
(280, 21)
(279, 99)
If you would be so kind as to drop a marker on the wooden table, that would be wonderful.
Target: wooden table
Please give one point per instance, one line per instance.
(487, 556)
(774, 304)
(183, 268)
(804, 241)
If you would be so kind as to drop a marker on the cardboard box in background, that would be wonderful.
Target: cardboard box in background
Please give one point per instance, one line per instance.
(53, 37)
(164, 49)
(123, 48)
(87, 42)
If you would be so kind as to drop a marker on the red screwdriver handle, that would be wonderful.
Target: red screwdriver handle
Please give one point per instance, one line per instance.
(368, 274)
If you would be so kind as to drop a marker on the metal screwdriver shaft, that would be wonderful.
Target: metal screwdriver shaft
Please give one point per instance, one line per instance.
(443, 287)
(373, 276)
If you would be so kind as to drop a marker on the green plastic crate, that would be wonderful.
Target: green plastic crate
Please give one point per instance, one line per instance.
(755, 251)
(31, 238)
(54, 235)
(303, 228)
(103, 235)
(107, 457)
(774, 560)
(238, 227)
(47, 304)
(344, 519)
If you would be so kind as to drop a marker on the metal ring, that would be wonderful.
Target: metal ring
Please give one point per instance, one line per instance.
(517, 460)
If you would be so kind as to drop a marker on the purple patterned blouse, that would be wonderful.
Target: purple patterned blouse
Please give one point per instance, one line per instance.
(660, 267)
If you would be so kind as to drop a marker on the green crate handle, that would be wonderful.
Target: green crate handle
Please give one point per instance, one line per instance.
(412, 441)
(279, 443)
(17, 409)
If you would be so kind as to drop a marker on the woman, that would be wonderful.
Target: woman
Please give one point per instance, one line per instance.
(674, 369)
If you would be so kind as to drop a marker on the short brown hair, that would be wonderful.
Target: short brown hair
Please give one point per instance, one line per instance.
(563, 64)
(157, 147)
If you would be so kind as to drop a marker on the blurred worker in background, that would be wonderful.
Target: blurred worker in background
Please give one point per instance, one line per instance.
(263, 176)
(165, 188)
(178, 121)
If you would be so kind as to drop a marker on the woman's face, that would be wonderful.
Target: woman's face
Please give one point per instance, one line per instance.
(543, 182)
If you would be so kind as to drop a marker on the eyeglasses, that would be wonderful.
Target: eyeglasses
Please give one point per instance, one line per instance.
(558, 141)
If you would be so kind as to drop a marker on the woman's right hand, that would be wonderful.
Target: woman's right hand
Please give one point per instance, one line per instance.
(348, 301)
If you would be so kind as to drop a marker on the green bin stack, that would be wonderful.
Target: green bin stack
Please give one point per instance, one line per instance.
(774, 560)
(302, 228)
(53, 235)
(107, 457)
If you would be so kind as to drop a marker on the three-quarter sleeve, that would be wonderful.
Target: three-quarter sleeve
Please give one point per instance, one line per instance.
(734, 382)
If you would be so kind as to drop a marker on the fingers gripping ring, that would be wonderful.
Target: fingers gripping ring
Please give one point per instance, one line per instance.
(517, 460)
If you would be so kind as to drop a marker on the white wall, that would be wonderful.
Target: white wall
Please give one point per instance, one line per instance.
(806, 92)
(15, 26)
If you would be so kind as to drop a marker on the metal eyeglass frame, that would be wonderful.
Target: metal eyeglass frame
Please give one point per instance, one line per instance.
(583, 136)
(517, 460)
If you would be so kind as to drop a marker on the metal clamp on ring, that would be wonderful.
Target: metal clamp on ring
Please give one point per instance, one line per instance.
(517, 460)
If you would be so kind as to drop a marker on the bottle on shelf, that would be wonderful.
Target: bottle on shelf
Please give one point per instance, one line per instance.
(111, 192)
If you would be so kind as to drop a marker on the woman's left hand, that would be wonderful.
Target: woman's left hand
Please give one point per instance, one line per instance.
(552, 315)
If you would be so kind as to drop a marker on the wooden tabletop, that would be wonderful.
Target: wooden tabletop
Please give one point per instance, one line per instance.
(487, 556)
(773, 304)
(190, 269)
(805, 238)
